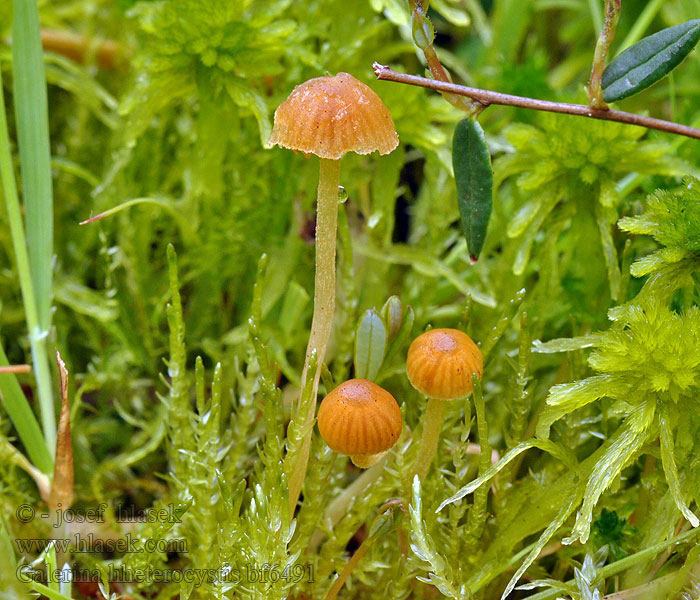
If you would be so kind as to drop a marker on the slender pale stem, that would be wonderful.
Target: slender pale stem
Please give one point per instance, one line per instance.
(339, 507)
(365, 461)
(324, 306)
(477, 514)
(324, 291)
(429, 438)
(16, 369)
(487, 97)
(607, 34)
(347, 571)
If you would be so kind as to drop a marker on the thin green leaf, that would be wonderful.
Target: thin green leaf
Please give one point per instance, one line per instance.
(649, 60)
(566, 344)
(86, 301)
(568, 397)
(547, 534)
(605, 217)
(440, 571)
(48, 592)
(10, 584)
(452, 14)
(15, 403)
(621, 449)
(31, 108)
(397, 344)
(474, 179)
(51, 566)
(295, 301)
(245, 97)
(425, 264)
(669, 464)
(555, 450)
(189, 233)
(25, 269)
(641, 24)
(370, 345)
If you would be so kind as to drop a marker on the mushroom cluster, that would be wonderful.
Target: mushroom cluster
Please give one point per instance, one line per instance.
(328, 116)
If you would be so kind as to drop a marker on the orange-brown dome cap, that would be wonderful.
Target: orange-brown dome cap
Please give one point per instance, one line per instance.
(329, 116)
(359, 418)
(441, 363)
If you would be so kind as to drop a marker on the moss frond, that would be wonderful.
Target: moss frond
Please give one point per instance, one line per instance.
(672, 218)
(649, 365)
(565, 159)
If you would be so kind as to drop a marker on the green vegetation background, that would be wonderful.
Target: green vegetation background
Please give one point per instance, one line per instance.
(182, 126)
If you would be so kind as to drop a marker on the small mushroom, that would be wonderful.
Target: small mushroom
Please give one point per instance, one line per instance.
(328, 116)
(361, 420)
(440, 364)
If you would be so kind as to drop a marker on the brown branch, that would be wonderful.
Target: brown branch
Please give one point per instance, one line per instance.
(107, 54)
(487, 97)
(423, 36)
(15, 369)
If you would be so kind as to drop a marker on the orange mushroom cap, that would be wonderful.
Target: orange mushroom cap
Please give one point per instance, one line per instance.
(441, 363)
(359, 418)
(329, 116)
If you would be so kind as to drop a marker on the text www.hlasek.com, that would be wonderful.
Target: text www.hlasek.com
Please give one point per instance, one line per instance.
(89, 544)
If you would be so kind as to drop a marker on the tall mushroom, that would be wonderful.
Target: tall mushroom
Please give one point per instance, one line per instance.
(328, 116)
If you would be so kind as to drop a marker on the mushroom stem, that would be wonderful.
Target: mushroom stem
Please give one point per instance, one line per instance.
(365, 461)
(429, 438)
(324, 307)
(324, 284)
(339, 507)
(347, 571)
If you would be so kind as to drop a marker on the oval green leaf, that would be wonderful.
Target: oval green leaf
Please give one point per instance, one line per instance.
(649, 60)
(474, 179)
(370, 344)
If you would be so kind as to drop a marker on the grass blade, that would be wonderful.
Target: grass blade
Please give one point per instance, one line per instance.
(640, 25)
(31, 109)
(22, 417)
(16, 402)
